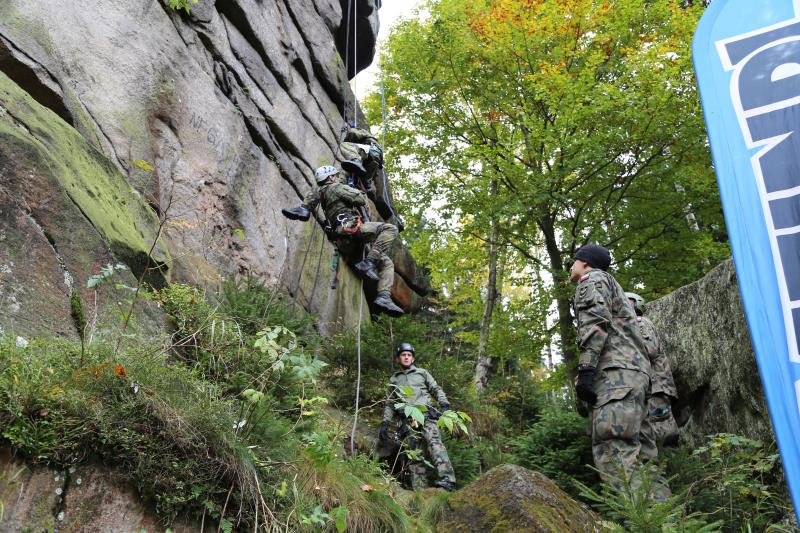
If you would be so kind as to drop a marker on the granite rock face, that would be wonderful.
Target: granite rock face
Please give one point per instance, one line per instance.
(704, 333)
(88, 497)
(204, 124)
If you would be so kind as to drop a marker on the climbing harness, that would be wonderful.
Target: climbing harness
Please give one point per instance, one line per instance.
(349, 223)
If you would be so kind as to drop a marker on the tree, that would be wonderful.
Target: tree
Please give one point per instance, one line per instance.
(585, 114)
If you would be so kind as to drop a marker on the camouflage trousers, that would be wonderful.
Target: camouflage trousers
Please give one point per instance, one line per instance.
(381, 235)
(427, 439)
(617, 419)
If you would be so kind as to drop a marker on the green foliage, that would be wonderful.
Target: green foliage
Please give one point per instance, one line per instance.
(252, 306)
(557, 446)
(631, 508)
(733, 479)
(180, 4)
(216, 420)
(465, 457)
(556, 123)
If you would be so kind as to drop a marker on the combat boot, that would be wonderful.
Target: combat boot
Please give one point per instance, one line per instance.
(297, 213)
(446, 485)
(384, 303)
(367, 269)
(354, 165)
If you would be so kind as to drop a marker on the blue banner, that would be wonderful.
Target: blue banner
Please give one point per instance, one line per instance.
(747, 59)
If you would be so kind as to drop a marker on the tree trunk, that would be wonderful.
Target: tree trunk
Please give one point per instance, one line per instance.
(484, 363)
(563, 294)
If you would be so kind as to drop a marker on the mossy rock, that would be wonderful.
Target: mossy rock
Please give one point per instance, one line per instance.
(513, 498)
(91, 181)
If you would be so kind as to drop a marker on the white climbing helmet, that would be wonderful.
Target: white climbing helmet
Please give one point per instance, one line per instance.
(324, 172)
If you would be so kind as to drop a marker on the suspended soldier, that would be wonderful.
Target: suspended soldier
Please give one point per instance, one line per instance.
(362, 162)
(423, 388)
(613, 371)
(340, 204)
(663, 391)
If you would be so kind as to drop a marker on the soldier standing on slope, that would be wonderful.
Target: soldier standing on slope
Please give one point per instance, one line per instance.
(613, 371)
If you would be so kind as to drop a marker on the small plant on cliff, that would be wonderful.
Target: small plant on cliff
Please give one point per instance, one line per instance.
(181, 4)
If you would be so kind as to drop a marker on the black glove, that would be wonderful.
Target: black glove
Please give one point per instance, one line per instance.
(433, 413)
(383, 434)
(444, 406)
(584, 384)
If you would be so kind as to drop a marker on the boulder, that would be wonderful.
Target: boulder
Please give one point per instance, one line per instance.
(513, 498)
(705, 336)
(83, 498)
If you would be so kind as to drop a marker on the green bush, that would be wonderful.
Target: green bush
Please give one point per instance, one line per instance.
(557, 446)
(224, 414)
(465, 457)
(734, 479)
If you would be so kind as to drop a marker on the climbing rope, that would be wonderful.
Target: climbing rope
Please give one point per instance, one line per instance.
(302, 266)
(358, 372)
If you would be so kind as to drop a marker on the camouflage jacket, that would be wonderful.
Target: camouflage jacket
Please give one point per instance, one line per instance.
(422, 385)
(661, 373)
(608, 331)
(336, 198)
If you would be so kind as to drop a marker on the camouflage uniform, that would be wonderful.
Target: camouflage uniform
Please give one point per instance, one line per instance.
(663, 388)
(610, 342)
(362, 146)
(422, 386)
(340, 201)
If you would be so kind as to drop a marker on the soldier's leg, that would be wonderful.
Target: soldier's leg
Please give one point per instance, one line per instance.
(382, 236)
(385, 274)
(616, 422)
(438, 453)
(417, 473)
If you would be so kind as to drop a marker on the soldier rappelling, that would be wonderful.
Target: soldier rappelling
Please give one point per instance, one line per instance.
(341, 205)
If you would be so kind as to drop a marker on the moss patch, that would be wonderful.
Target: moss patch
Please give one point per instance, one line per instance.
(90, 180)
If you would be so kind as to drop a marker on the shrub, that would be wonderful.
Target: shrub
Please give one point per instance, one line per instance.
(558, 447)
(734, 479)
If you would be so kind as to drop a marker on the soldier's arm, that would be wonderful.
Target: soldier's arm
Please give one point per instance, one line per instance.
(661, 369)
(434, 389)
(388, 409)
(593, 306)
(352, 196)
(312, 199)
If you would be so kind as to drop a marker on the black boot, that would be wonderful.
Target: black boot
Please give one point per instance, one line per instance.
(446, 485)
(297, 213)
(367, 269)
(384, 303)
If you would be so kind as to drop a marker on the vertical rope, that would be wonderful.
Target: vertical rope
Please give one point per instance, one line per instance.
(347, 60)
(355, 63)
(358, 366)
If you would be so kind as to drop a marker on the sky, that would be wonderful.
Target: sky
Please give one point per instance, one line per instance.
(390, 12)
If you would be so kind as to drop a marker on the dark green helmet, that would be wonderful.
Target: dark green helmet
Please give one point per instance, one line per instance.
(405, 347)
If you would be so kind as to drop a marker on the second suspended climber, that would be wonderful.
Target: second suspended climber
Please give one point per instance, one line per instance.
(341, 204)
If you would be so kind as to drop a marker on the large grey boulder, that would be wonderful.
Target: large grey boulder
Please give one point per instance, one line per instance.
(513, 498)
(704, 333)
(214, 120)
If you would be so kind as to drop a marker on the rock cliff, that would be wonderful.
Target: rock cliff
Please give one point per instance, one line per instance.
(126, 121)
(704, 333)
